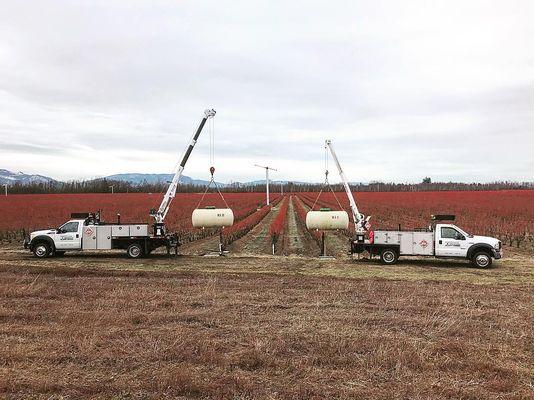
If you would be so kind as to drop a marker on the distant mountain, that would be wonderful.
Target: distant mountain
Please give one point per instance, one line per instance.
(137, 179)
(12, 178)
(133, 178)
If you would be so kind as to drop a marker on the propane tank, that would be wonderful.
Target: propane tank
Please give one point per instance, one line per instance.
(211, 217)
(327, 220)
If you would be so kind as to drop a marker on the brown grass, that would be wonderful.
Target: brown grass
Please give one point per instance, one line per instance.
(98, 333)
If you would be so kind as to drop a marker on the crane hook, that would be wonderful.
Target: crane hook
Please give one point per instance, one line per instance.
(212, 171)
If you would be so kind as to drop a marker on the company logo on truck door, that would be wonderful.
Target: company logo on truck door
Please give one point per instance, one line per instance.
(423, 243)
(89, 231)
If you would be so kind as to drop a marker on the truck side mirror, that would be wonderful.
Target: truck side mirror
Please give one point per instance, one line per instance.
(459, 236)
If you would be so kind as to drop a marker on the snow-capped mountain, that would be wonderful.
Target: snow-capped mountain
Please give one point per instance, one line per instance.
(12, 178)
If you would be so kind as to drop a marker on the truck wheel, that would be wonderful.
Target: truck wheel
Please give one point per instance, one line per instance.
(481, 260)
(135, 250)
(41, 250)
(388, 256)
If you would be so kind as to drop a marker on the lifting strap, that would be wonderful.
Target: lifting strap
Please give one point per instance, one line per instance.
(326, 183)
(212, 180)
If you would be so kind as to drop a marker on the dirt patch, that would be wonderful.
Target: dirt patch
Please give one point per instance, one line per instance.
(94, 332)
(337, 244)
(297, 239)
(257, 241)
(203, 246)
(517, 266)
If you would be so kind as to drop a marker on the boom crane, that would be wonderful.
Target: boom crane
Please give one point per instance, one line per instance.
(359, 218)
(161, 213)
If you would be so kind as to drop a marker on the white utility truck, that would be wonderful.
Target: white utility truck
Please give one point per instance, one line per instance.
(439, 240)
(86, 231)
(442, 240)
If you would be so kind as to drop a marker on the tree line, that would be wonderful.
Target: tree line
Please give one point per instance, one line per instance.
(107, 186)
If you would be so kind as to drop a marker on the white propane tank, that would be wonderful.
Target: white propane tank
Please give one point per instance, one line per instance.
(212, 217)
(327, 220)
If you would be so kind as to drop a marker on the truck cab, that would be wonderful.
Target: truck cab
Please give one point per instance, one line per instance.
(452, 241)
(47, 242)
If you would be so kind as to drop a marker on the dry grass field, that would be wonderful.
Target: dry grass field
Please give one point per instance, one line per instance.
(100, 326)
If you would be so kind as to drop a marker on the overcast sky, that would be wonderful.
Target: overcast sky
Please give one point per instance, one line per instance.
(404, 89)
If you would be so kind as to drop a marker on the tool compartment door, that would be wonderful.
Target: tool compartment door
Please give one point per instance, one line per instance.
(139, 230)
(406, 242)
(120, 230)
(387, 237)
(89, 238)
(103, 237)
(423, 243)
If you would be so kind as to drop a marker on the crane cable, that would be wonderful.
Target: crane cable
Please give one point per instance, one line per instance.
(211, 128)
(212, 140)
(326, 183)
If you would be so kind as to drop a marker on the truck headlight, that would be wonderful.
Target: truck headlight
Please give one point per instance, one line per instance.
(497, 246)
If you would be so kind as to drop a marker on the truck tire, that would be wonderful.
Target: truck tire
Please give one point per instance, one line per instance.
(135, 250)
(42, 250)
(481, 259)
(388, 256)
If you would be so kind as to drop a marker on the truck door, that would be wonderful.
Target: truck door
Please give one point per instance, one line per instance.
(450, 242)
(68, 236)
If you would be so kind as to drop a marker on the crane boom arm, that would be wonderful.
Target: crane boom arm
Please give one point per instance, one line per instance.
(357, 216)
(171, 190)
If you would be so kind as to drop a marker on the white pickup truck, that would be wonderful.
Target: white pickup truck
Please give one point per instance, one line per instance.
(440, 240)
(85, 231)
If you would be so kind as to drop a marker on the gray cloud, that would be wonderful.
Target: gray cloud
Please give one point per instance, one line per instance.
(440, 88)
